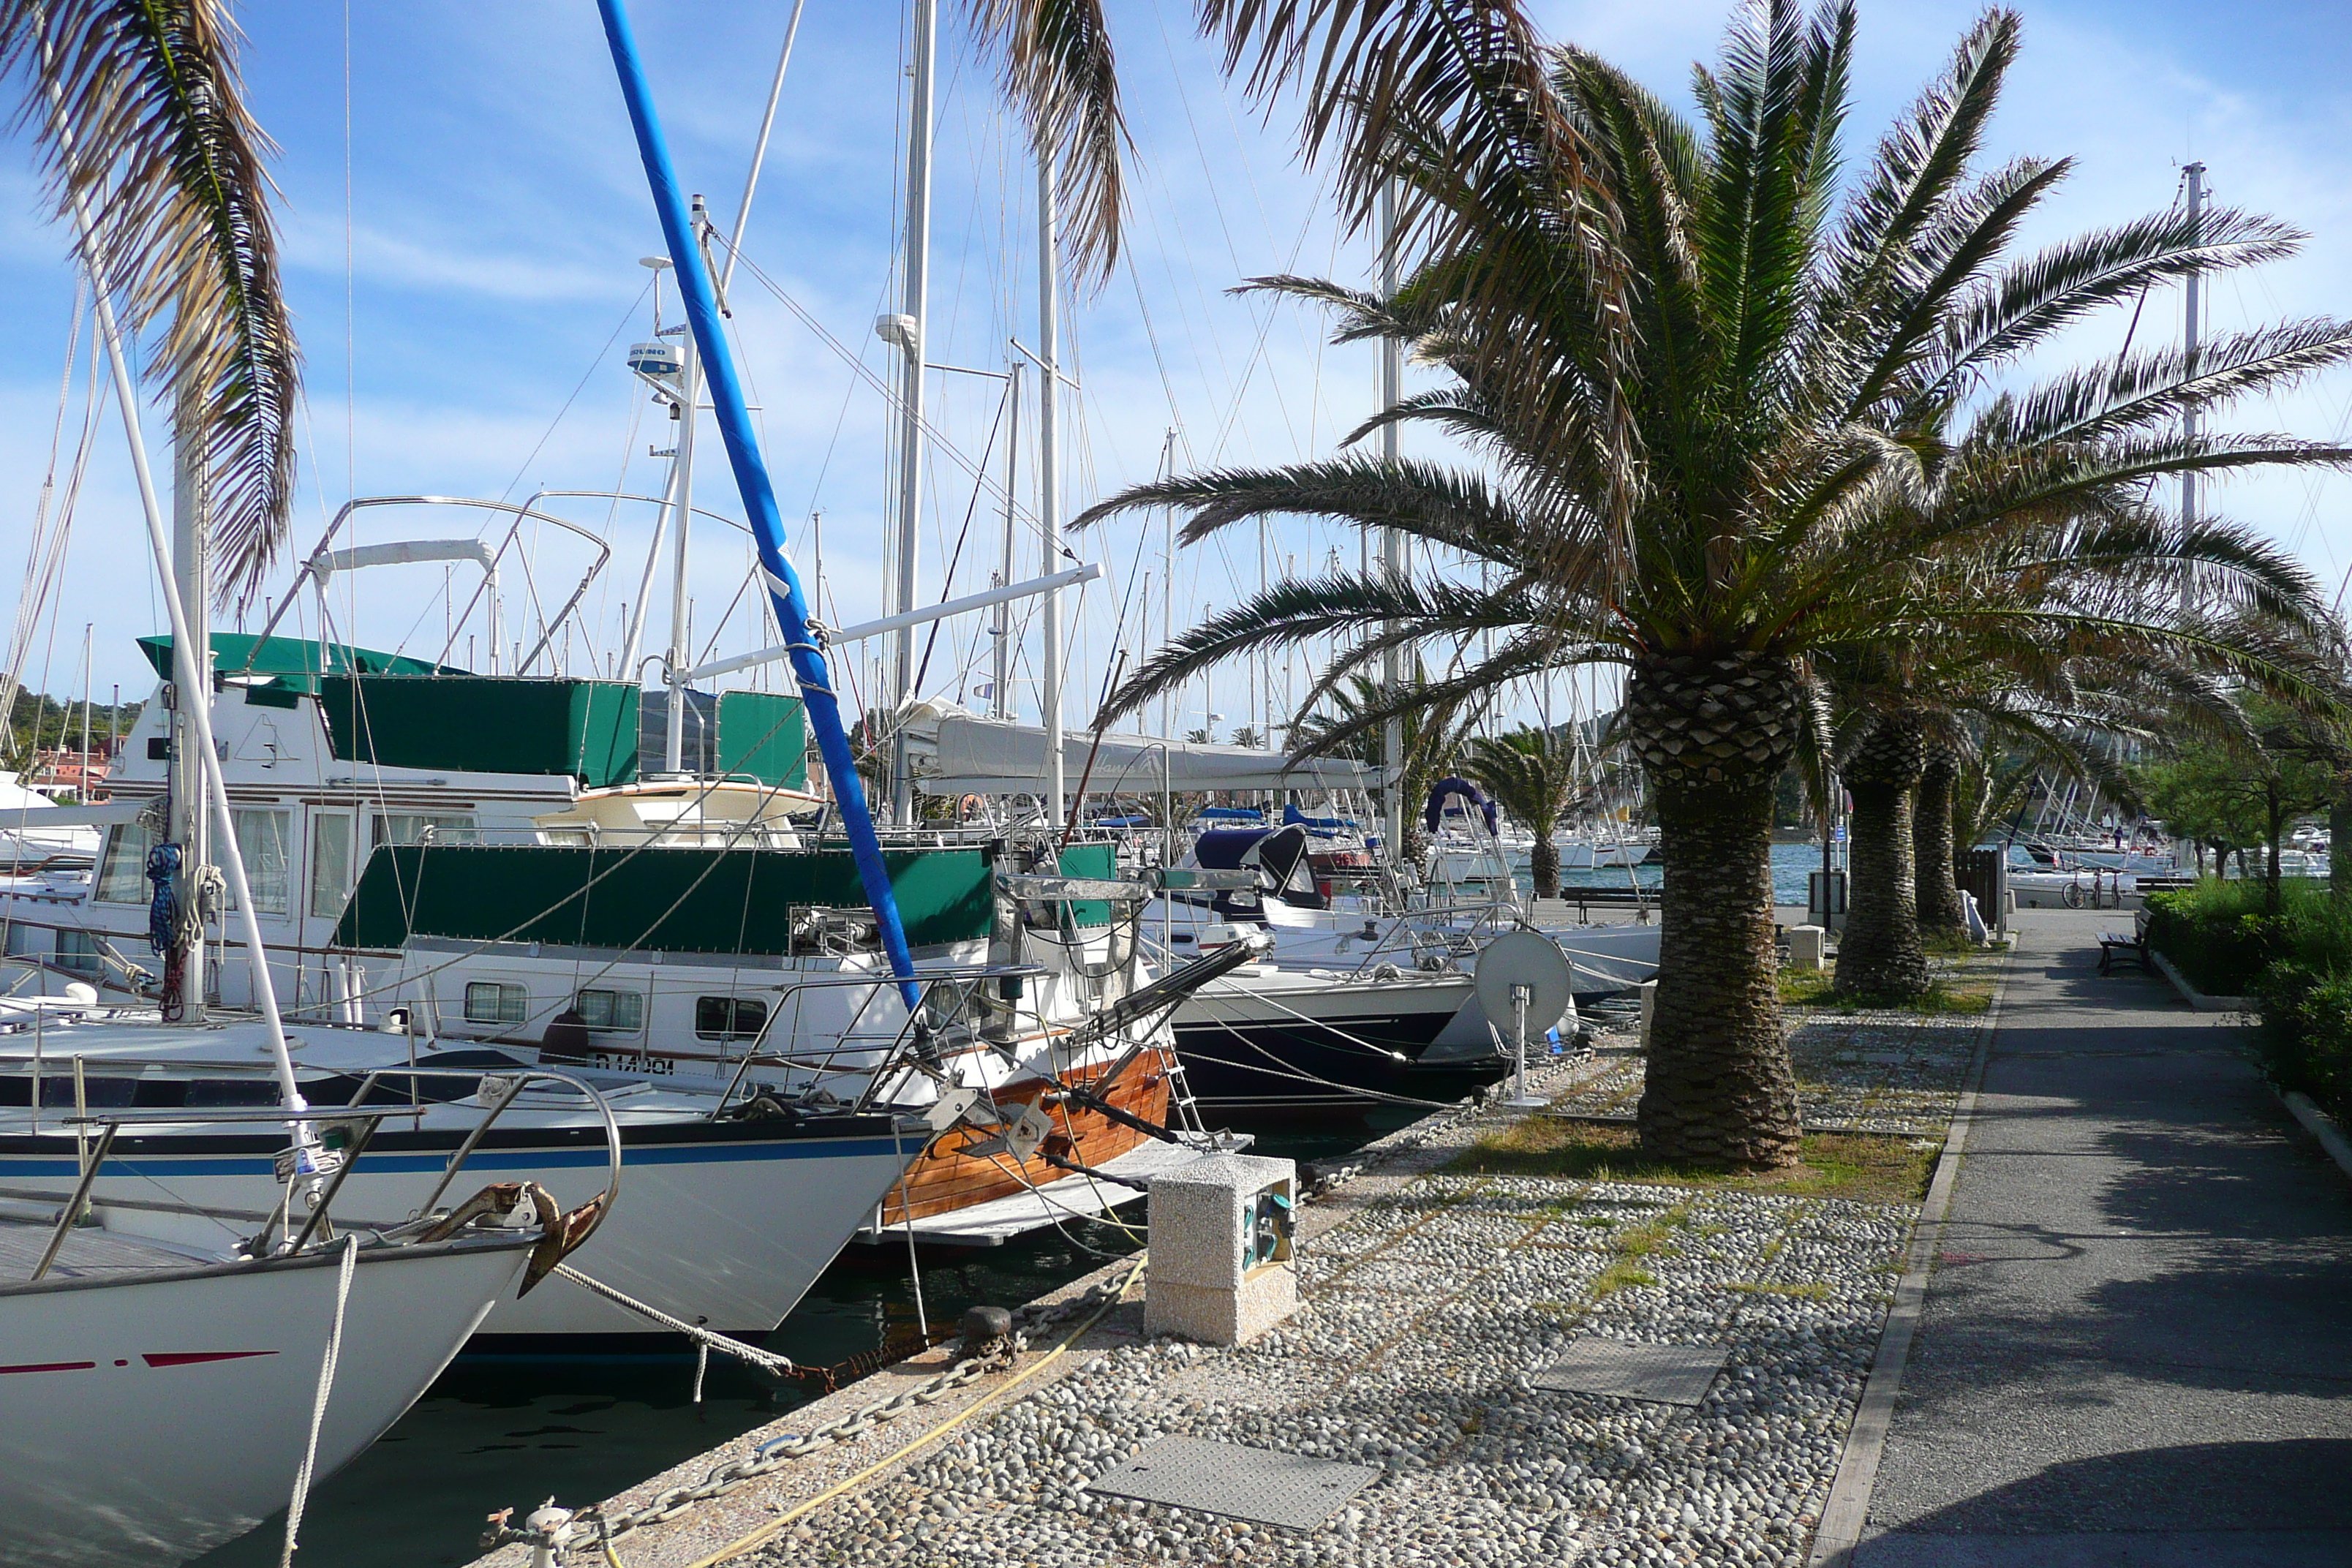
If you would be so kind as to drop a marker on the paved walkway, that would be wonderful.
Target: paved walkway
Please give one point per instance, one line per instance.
(2137, 1351)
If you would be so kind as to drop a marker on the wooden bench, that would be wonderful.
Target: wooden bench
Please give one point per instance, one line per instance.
(2116, 945)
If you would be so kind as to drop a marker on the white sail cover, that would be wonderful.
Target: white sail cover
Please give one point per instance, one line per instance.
(33, 827)
(959, 753)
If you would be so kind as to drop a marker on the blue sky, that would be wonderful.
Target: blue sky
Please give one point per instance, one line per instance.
(486, 284)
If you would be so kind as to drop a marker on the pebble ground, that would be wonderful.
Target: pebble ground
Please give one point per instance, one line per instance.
(1429, 1299)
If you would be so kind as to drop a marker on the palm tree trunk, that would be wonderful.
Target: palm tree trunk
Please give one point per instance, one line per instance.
(1714, 734)
(1879, 954)
(1940, 908)
(1543, 865)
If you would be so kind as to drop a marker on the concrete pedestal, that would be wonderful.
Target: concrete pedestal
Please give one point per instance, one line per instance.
(1807, 947)
(1220, 1269)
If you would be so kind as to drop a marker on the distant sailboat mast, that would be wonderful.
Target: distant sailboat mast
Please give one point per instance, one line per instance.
(1392, 556)
(905, 331)
(2188, 335)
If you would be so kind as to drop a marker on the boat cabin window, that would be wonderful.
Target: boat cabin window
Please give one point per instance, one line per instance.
(122, 867)
(77, 950)
(265, 844)
(402, 827)
(330, 863)
(728, 1018)
(493, 1002)
(620, 1011)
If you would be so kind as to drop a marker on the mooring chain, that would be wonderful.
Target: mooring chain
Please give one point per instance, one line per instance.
(557, 1529)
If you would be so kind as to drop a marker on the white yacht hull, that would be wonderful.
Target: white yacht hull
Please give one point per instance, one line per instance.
(148, 1420)
(722, 1225)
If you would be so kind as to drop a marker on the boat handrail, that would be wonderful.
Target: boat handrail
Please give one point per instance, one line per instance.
(521, 1080)
(929, 979)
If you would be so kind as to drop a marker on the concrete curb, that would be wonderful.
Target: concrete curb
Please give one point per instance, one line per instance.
(2196, 998)
(1847, 1513)
(2320, 1125)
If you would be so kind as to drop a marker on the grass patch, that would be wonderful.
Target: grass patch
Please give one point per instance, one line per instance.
(1621, 1275)
(1950, 945)
(1864, 1167)
(1817, 988)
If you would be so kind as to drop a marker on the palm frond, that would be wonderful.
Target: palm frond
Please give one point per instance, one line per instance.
(1923, 158)
(2138, 391)
(2024, 305)
(1058, 69)
(136, 105)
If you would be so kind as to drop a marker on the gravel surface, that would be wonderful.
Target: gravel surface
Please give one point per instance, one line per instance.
(1429, 1300)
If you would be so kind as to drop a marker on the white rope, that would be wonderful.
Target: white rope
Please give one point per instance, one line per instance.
(319, 1406)
(702, 1336)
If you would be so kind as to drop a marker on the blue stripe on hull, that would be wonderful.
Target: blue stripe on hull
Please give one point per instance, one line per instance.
(376, 1164)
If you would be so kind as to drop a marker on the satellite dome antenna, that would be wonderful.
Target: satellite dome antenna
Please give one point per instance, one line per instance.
(1524, 976)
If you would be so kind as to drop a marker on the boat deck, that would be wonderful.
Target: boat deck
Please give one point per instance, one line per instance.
(90, 1251)
(999, 1220)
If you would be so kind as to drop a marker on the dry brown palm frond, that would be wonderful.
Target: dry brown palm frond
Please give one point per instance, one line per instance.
(137, 105)
(1058, 69)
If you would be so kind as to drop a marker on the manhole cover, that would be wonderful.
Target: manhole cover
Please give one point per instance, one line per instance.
(1665, 1374)
(1228, 1479)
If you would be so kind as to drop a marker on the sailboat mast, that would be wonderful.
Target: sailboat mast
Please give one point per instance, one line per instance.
(191, 583)
(1167, 580)
(2188, 333)
(1001, 623)
(1391, 539)
(1049, 473)
(681, 655)
(908, 331)
(681, 481)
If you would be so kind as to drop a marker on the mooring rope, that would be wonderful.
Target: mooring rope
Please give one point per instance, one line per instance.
(302, 1496)
(780, 1366)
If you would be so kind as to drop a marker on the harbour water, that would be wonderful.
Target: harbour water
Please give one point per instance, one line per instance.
(1790, 862)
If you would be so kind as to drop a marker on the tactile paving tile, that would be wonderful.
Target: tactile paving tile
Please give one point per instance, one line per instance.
(1258, 1485)
(1664, 1375)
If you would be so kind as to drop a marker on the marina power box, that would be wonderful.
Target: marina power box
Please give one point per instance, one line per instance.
(1222, 1247)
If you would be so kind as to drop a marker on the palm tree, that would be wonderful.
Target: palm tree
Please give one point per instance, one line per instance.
(1707, 394)
(2170, 664)
(1533, 776)
(136, 107)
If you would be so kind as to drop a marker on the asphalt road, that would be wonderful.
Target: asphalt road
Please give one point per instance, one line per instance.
(2136, 1348)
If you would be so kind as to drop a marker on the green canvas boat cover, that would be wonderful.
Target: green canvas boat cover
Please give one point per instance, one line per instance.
(243, 653)
(659, 900)
(1098, 862)
(490, 724)
(764, 736)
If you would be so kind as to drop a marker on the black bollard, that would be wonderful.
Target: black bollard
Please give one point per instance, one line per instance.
(983, 1326)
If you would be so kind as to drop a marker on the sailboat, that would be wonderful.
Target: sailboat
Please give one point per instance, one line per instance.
(158, 1394)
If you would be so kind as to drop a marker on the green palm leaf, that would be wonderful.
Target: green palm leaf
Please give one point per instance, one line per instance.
(136, 105)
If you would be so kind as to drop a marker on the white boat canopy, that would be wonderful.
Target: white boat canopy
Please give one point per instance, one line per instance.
(959, 753)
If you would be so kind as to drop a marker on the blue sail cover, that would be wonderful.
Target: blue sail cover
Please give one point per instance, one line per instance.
(759, 495)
